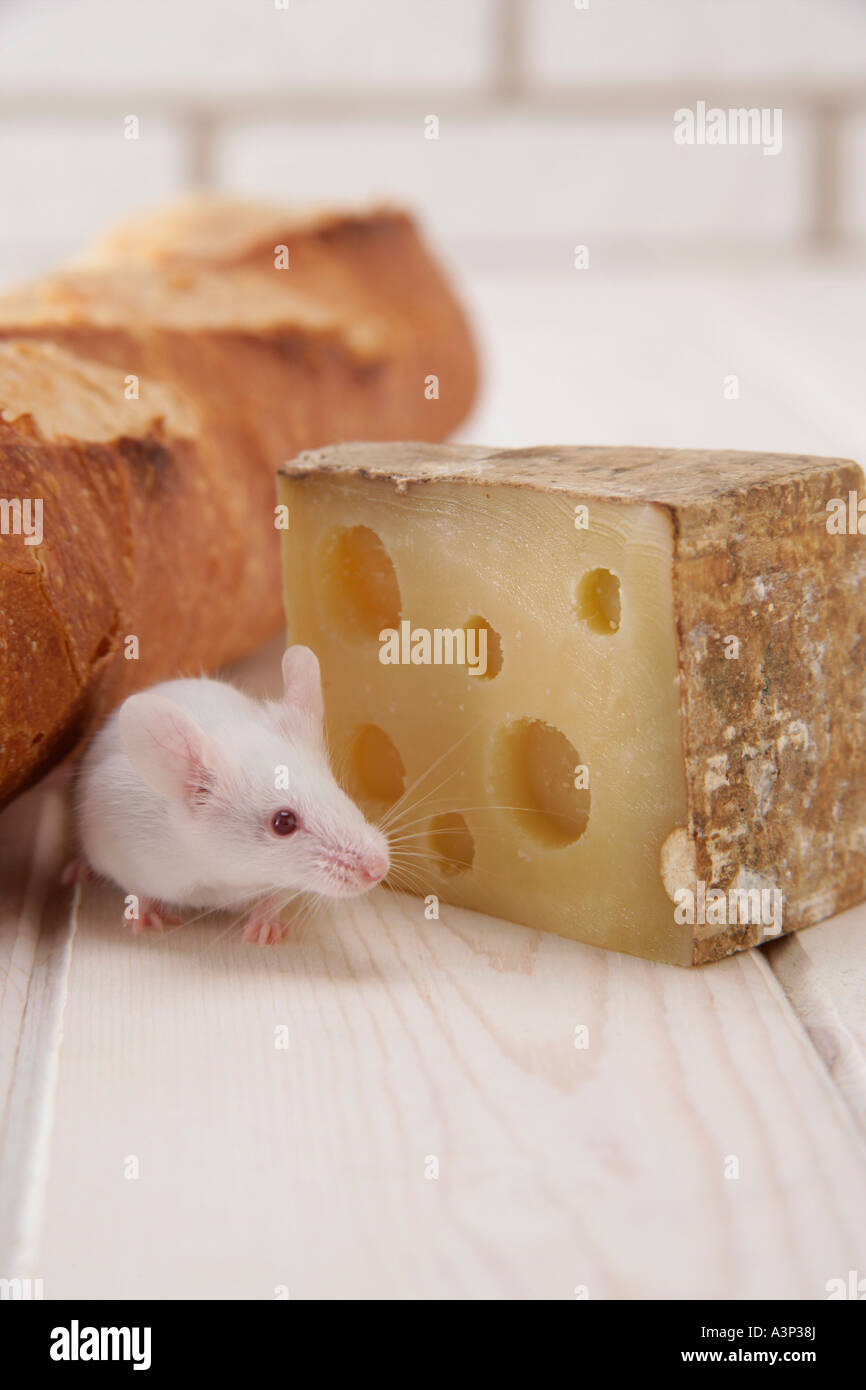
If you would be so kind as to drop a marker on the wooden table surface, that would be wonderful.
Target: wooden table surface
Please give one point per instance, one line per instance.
(389, 1107)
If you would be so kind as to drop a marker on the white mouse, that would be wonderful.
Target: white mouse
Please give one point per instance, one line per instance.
(193, 795)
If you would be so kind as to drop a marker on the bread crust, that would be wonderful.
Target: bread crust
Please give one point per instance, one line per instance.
(159, 509)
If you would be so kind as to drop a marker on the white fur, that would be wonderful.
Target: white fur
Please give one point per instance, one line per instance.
(150, 823)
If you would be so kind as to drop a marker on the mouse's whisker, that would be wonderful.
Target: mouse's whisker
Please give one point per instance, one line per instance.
(450, 805)
(433, 863)
(442, 830)
(418, 869)
(426, 773)
(209, 911)
(313, 904)
(431, 809)
(403, 806)
(247, 902)
(400, 821)
(405, 878)
(232, 926)
(530, 810)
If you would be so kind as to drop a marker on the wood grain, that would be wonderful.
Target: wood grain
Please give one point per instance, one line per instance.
(304, 1167)
(558, 1167)
(823, 974)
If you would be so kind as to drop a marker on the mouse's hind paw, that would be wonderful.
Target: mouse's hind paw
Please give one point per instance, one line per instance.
(152, 917)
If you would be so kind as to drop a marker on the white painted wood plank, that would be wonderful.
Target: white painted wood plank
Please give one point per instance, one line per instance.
(803, 360)
(642, 357)
(35, 951)
(19, 925)
(30, 1112)
(32, 838)
(823, 973)
(558, 1167)
(586, 356)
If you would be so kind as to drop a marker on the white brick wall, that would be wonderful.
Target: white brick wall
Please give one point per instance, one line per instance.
(556, 122)
(232, 46)
(503, 178)
(854, 184)
(758, 41)
(62, 184)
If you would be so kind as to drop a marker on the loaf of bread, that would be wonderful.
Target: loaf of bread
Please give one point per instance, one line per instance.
(147, 398)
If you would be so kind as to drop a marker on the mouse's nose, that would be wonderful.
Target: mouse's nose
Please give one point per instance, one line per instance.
(374, 867)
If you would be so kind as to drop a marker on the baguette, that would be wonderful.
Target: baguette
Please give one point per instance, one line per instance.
(147, 398)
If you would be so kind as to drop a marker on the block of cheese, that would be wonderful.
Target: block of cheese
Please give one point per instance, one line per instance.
(616, 694)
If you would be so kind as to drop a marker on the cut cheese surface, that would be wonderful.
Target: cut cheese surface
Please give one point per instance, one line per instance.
(512, 682)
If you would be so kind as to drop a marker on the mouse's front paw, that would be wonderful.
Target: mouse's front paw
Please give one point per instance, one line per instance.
(152, 917)
(264, 930)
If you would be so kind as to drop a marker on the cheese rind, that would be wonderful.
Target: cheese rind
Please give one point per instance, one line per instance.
(678, 701)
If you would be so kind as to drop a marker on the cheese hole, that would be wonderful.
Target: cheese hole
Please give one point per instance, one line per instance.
(452, 843)
(598, 601)
(375, 767)
(492, 647)
(535, 771)
(360, 582)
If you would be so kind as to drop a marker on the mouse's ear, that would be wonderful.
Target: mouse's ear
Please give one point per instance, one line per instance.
(302, 682)
(168, 750)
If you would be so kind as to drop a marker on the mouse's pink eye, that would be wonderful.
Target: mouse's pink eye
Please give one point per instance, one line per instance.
(284, 822)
